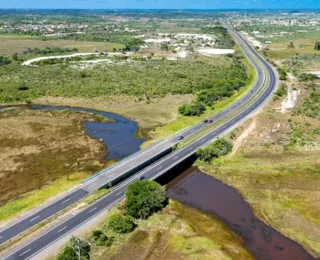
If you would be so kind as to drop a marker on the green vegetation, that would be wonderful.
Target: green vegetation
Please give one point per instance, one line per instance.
(311, 105)
(281, 90)
(211, 92)
(4, 61)
(143, 198)
(50, 51)
(282, 74)
(317, 46)
(307, 77)
(101, 238)
(121, 224)
(216, 149)
(75, 249)
(144, 80)
(196, 109)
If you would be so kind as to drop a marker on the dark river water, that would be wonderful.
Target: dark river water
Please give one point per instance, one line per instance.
(199, 190)
(119, 135)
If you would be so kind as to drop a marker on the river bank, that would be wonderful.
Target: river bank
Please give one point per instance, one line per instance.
(46, 149)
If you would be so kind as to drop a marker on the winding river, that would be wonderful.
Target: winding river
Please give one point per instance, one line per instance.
(197, 190)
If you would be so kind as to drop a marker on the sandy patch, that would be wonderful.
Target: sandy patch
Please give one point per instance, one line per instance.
(29, 62)
(237, 144)
(317, 73)
(212, 51)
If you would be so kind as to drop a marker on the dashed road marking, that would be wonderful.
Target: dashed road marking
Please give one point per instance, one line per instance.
(34, 218)
(25, 252)
(93, 209)
(118, 193)
(62, 229)
(65, 201)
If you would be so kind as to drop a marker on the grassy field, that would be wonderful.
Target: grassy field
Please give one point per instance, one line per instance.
(27, 161)
(18, 44)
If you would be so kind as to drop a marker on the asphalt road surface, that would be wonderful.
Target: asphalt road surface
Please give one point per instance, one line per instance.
(257, 96)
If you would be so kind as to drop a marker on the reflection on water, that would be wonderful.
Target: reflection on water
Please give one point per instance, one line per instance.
(201, 191)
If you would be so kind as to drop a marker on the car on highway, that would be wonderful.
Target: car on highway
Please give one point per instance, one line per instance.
(141, 178)
(210, 121)
(180, 137)
(205, 121)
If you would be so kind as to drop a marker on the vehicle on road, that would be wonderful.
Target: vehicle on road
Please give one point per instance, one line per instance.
(141, 178)
(205, 121)
(210, 121)
(180, 137)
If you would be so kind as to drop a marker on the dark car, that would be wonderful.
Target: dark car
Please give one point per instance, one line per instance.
(141, 178)
(180, 137)
(205, 121)
(210, 121)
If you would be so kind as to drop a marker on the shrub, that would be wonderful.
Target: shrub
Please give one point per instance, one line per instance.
(121, 224)
(192, 109)
(281, 91)
(317, 46)
(143, 198)
(4, 61)
(282, 74)
(218, 148)
(101, 238)
(307, 77)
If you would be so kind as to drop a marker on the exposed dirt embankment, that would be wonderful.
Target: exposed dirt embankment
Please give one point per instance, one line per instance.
(37, 147)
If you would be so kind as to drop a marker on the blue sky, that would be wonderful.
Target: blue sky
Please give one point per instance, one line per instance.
(162, 4)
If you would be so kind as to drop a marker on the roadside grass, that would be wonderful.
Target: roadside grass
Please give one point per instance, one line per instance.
(18, 44)
(282, 188)
(36, 197)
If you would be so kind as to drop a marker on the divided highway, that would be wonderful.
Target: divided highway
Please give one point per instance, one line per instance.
(260, 92)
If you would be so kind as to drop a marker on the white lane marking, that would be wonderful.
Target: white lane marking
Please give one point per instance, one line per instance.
(93, 209)
(1, 237)
(25, 252)
(190, 149)
(34, 218)
(118, 193)
(65, 201)
(159, 168)
(176, 157)
(111, 175)
(62, 229)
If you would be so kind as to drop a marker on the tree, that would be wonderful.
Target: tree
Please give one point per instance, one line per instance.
(143, 198)
(75, 249)
(15, 56)
(192, 109)
(101, 238)
(291, 45)
(218, 148)
(121, 224)
(317, 46)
